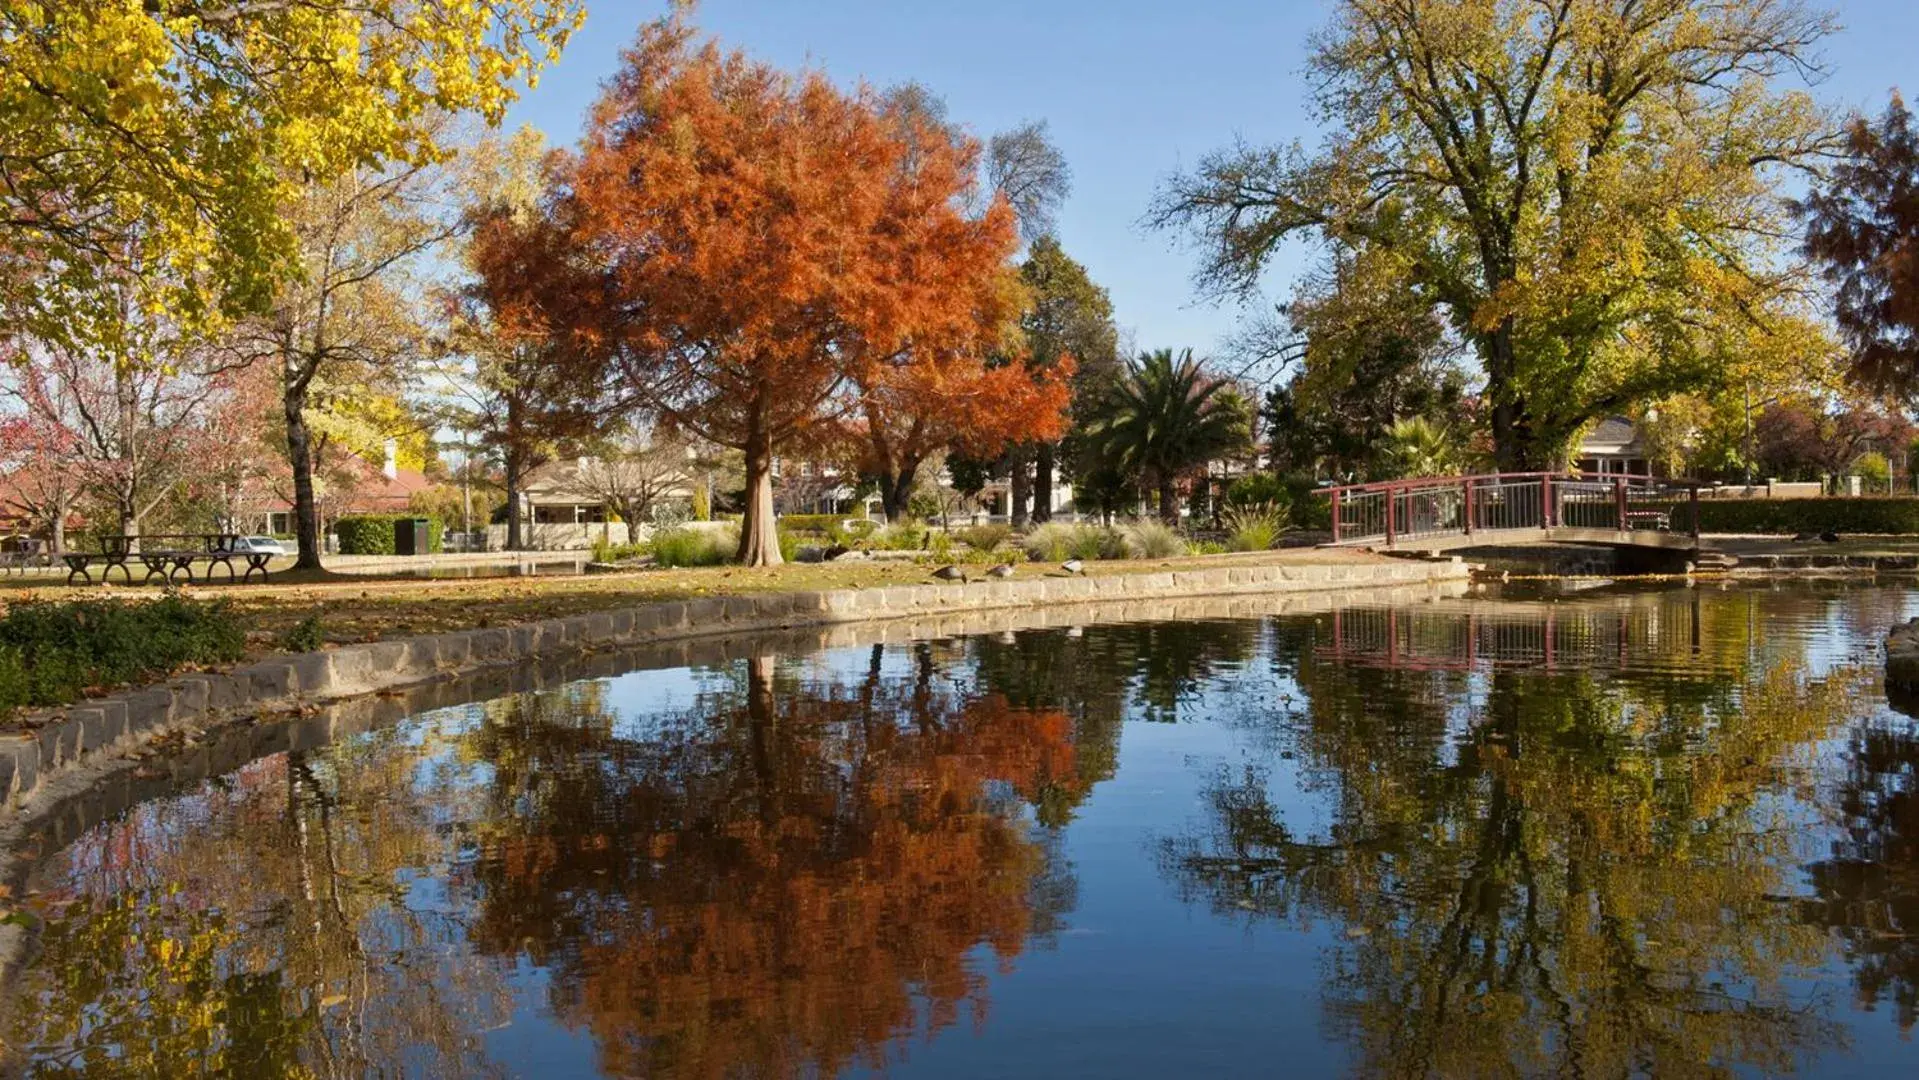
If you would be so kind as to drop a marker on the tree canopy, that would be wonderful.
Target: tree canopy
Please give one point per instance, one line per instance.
(1590, 191)
(164, 139)
(771, 241)
(1862, 231)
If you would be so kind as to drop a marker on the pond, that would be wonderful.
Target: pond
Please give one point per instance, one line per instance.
(1620, 831)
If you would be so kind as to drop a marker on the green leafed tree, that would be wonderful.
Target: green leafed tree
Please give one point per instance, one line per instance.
(1069, 316)
(1165, 420)
(1588, 190)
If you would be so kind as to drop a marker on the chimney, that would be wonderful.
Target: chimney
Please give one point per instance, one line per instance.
(390, 468)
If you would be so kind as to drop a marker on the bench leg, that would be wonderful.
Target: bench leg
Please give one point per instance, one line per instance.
(81, 573)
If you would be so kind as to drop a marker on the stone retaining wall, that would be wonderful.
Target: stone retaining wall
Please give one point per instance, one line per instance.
(108, 728)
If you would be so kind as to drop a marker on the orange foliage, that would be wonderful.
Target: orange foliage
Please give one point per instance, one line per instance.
(773, 241)
(959, 403)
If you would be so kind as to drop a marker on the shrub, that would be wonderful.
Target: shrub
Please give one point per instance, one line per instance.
(814, 524)
(854, 532)
(1051, 542)
(1057, 542)
(1206, 547)
(790, 544)
(940, 546)
(984, 537)
(905, 536)
(605, 551)
(1261, 490)
(1098, 542)
(1254, 527)
(51, 652)
(693, 547)
(372, 534)
(307, 635)
(1793, 516)
(1153, 540)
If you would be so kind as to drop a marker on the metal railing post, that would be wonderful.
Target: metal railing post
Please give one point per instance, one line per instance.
(1619, 497)
(1389, 517)
(1335, 515)
(1694, 489)
(1545, 501)
(1469, 506)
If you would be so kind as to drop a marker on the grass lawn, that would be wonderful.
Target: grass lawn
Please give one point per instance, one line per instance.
(371, 608)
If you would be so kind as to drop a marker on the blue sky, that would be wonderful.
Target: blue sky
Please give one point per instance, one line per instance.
(1133, 90)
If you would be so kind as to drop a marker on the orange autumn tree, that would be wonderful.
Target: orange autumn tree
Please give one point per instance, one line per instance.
(953, 402)
(772, 242)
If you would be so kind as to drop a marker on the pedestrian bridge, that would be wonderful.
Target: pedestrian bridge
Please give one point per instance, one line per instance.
(1511, 509)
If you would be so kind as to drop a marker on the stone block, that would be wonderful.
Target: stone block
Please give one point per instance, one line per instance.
(453, 651)
(92, 722)
(268, 680)
(743, 609)
(490, 646)
(148, 711)
(59, 742)
(22, 757)
(226, 691)
(388, 662)
(313, 672)
(704, 616)
(190, 697)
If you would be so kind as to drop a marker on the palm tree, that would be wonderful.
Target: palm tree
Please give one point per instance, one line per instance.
(1418, 446)
(1166, 418)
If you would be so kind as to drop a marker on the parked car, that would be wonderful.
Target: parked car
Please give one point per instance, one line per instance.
(257, 545)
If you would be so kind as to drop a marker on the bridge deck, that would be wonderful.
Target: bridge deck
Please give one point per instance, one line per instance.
(1438, 513)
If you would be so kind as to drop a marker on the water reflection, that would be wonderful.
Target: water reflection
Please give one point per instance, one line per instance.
(1631, 833)
(1574, 883)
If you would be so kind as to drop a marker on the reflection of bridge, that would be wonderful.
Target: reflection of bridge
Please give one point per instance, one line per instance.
(1516, 508)
(1445, 635)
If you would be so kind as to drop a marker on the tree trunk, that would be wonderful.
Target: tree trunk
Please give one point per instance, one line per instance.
(896, 490)
(60, 508)
(1169, 501)
(306, 510)
(513, 453)
(515, 476)
(1043, 482)
(1020, 487)
(1499, 367)
(759, 540)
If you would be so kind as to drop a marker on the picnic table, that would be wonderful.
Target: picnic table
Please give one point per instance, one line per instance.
(23, 554)
(167, 556)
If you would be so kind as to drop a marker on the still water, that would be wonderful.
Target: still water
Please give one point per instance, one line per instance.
(1661, 833)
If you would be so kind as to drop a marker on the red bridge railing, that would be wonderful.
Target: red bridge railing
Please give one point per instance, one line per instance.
(1398, 511)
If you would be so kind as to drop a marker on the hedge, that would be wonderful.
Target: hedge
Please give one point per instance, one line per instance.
(52, 652)
(820, 524)
(372, 534)
(1794, 516)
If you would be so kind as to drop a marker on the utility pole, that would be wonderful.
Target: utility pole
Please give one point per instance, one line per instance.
(466, 493)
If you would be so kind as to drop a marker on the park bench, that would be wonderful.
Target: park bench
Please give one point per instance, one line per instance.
(168, 556)
(1649, 519)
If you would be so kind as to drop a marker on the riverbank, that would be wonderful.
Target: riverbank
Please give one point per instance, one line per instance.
(352, 610)
(494, 625)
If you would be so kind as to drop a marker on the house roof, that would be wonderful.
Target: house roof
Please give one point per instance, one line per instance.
(1613, 435)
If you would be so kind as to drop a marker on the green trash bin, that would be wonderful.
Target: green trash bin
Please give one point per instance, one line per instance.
(410, 536)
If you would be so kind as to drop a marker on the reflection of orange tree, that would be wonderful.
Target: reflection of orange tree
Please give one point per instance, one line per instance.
(1577, 882)
(785, 880)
